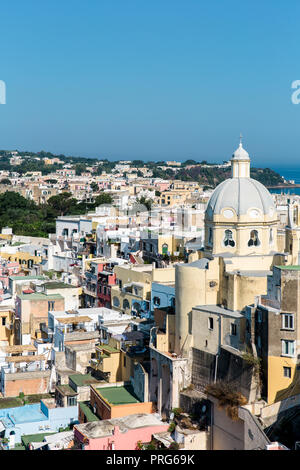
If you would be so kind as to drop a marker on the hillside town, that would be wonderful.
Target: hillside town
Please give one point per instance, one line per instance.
(147, 306)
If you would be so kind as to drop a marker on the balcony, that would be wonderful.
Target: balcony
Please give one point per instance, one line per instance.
(92, 293)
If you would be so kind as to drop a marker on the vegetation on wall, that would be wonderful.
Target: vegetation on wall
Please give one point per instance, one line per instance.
(227, 397)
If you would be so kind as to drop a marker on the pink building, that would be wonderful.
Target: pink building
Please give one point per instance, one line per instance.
(118, 433)
(162, 185)
(7, 268)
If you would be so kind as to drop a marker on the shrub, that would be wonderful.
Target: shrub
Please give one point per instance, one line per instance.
(174, 446)
(177, 411)
(172, 427)
(139, 445)
(227, 398)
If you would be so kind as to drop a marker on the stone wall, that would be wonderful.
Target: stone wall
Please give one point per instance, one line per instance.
(230, 368)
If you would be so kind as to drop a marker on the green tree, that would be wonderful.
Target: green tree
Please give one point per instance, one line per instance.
(62, 203)
(5, 181)
(145, 202)
(103, 198)
(79, 169)
(94, 186)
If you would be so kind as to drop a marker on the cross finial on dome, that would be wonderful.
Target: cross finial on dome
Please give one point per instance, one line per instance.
(241, 139)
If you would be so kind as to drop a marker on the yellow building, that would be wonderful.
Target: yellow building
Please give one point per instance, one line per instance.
(172, 198)
(132, 292)
(6, 325)
(113, 363)
(25, 259)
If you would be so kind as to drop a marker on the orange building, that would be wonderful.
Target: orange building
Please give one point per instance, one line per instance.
(117, 401)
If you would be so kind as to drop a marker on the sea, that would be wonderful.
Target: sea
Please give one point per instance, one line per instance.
(288, 174)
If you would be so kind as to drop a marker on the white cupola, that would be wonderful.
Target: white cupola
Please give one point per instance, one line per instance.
(240, 162)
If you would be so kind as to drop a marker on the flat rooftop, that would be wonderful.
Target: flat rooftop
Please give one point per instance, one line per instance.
(118, 395)
(290, 268)
(249, 273)
(57, 285)
(83, 379)
(39, 296)
(26, 278)
(218, 310)
(103, 428)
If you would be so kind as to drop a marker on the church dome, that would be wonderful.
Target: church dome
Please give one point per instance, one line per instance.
(242, 195)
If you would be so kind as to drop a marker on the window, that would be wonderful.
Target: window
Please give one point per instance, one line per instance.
(72, 401)
(165, 249)
(254, 240)
(287, 372)
(288, 321)
(51, 305)
(233, 329)
(3, 321)
(124, 362)
(116, 302)
(228, 240)
(156, 301)
(288, 347)
(126, 304)
(210, 323)
(136, 308)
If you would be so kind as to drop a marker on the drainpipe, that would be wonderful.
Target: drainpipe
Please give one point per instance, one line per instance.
(219, 347)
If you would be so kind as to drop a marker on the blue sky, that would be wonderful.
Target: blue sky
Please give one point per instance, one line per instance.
(159, 79)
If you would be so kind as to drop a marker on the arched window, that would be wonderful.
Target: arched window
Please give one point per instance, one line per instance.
(165, 249)
(136, 308)
(116, 302)
(126, 304)
(254, 240)
(228, 240)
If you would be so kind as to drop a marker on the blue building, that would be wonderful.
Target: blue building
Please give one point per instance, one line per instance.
(33, 419)
(162, 295)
